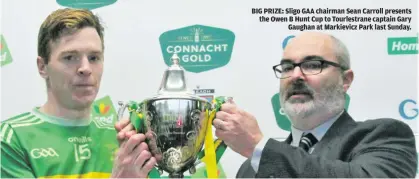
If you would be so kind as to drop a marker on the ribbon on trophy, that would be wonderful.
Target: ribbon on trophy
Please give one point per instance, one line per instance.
(209, 157)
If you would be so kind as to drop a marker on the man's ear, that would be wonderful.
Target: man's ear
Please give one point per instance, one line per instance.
(348, 77)
(42, 67)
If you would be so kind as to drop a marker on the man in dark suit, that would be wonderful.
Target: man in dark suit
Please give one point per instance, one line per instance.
(325, 141)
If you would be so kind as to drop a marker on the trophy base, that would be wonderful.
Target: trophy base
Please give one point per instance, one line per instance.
(176, 175)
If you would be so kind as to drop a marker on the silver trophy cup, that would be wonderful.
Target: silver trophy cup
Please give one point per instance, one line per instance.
(176, 120)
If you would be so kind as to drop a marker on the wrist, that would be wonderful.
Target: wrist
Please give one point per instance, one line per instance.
(258, 139)
(252, 149)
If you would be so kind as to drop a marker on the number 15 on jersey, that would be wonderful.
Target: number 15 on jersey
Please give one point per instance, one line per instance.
(82, 152)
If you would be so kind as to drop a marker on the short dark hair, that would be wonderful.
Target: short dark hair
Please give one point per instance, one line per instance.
(65, 21)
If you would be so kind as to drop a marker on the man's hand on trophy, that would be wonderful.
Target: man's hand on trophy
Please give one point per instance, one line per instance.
(238, 129)
(133, 159)
(152, 145)
(124, 129)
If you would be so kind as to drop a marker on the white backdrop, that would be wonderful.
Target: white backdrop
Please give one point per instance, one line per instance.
(134, 61)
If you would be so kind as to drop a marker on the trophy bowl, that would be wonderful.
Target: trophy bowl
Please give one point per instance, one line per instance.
(175, 121)
(178, 126)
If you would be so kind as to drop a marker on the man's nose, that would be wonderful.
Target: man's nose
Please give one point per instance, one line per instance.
(297, 73)
(85, 67)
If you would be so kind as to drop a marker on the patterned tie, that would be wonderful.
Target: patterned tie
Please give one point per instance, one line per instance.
(307, 141)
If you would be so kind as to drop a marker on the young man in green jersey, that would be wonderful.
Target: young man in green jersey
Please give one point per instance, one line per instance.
(60, 139)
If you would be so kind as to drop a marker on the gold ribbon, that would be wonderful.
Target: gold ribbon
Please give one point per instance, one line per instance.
(210, 157)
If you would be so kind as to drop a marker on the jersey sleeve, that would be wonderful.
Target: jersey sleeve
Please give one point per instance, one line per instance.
(13, 161)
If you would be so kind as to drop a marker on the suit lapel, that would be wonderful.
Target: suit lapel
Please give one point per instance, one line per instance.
(340, 127)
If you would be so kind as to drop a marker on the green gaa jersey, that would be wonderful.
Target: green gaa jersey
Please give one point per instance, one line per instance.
(35, 145)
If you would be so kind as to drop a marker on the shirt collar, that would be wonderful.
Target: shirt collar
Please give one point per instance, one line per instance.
(60, 121)
(318, 132)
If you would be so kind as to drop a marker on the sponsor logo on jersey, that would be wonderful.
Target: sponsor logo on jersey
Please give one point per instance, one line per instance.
(104, 111)
(43, 153)
(102, 108)
(200, 48)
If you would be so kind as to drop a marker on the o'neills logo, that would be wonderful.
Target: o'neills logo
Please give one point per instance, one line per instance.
(200, 48)
(82, 139)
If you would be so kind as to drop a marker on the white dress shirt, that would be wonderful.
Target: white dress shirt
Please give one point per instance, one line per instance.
(318, 132)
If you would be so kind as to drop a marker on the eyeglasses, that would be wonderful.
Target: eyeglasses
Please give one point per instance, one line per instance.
(312, 65)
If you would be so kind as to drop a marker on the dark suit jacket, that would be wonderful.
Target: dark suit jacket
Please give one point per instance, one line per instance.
(373, 148)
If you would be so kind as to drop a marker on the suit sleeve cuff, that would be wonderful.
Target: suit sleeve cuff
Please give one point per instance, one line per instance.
(257, 153)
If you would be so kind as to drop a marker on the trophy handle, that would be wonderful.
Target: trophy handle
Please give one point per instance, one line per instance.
(136, 115)
(121, 110)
